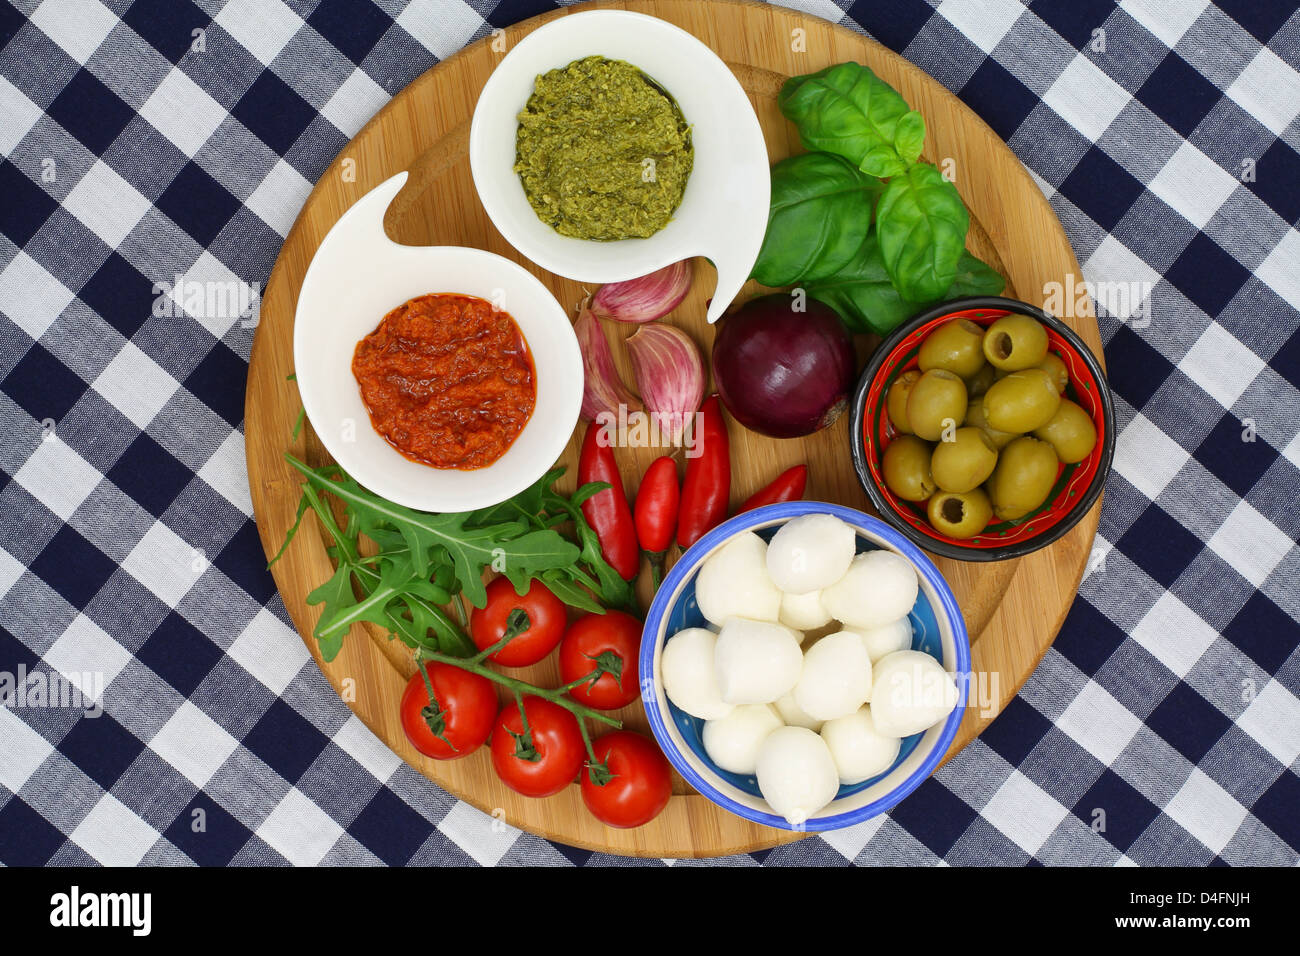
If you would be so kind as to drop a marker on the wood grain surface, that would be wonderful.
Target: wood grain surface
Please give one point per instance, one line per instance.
(1013, 609)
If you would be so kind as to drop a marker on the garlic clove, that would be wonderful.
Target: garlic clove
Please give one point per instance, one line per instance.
(646, 298)
(603, 390)
(670, 374)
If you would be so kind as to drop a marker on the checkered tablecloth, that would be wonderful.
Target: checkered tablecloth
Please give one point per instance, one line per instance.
(158, 139)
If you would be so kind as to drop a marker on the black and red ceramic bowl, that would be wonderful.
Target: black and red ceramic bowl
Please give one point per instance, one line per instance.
(1077, 487)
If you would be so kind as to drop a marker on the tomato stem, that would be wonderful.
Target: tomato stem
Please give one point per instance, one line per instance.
(525, 749)
(656, 559)
(598, 770)
(432, 711)
(516, 624)
(557, 696)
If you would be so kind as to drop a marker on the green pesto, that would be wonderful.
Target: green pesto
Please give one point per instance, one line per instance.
(602, 151)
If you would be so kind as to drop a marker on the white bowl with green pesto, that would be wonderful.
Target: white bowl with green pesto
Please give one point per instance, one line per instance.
(722, 214)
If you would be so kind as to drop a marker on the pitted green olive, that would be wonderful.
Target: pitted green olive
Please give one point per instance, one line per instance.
(1070, 431)
(959, 514)
(937, 401)
(957, 346)
(978, 384)
(975, 417)
(1022, 401)
(1023, 478)
(963, 463)
(1014, 342)
(896, 399)
(1054, 366)
(906, 464)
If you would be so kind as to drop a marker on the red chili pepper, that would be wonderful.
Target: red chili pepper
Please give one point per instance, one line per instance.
(655, 513)
(788, 486)
(707, 488)
(607, 511)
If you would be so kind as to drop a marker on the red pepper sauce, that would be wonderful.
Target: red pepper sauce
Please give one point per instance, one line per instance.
(448, 380)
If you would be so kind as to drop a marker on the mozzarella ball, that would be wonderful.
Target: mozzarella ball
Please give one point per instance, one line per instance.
(836, 677)
(756, 662)
(803, 612)
(733, 582)
(794, 716)
(859, 750)
(687, 667)
(878, 588)
(810, 552)
(732, 742)
(911, 692)
(894, 636)
(796, 773)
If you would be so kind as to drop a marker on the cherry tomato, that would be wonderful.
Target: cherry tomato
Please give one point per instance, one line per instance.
(467, 706)
(640, 781)
(550, 760)
(613, 633)
(546, 615)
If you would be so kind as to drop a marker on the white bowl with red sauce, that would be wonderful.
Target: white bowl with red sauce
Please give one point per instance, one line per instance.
(357, 277)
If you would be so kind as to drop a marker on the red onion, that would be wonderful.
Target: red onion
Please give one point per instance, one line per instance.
(781, 372)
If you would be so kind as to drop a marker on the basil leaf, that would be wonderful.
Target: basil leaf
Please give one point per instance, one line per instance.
(922, 225)
(909, 136)
(975, 277)
(863, 294)
(867, 301)
(820, 213)
(883, 161)
(848, 110)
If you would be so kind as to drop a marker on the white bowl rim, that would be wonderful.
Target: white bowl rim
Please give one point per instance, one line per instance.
(722, 216)
(878, 533)
(357, 260)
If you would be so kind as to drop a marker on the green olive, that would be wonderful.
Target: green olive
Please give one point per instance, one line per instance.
(957, 346)
(959, 514)
(1023, 478)
(1070, 431)
(1014, 342)
(975, 417)
(963, 463)
(937, 401)
(906, 464)
(896, 399)
(1054, 366)
(1022, 401)
(978, 384)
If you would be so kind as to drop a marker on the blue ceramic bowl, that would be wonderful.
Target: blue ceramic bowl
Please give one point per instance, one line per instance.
(938, 630)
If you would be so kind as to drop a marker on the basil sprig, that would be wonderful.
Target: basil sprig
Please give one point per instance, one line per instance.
(877, 235)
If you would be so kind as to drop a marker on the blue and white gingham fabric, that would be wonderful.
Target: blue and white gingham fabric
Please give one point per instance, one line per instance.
(162, 138)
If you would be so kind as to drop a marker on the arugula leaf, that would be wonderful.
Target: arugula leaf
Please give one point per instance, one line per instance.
(613, 590)
(342, 609)
(303, 504)
(424, 560)
(846, 109)
(470, 549)
(921, 223)
(820, 212)
(564, 588)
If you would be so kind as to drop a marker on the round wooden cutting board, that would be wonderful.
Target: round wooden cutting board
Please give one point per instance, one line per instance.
(1013, 609)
